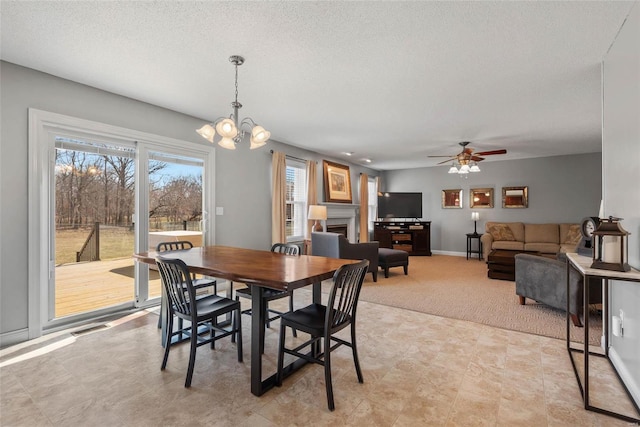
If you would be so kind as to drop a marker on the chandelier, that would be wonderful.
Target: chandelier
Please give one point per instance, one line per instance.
(465, 166)
(230, 131)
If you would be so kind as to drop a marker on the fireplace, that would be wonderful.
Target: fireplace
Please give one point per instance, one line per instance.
(338, 228)
(342, 214)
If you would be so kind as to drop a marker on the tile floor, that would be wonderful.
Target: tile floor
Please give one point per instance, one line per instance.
(418, 370)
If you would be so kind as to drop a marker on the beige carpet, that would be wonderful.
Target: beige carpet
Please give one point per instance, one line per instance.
(453, 287)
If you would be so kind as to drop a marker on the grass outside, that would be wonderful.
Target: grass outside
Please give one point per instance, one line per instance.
(115, 242)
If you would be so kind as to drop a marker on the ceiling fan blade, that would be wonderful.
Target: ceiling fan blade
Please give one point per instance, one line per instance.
(489, 153)
(451, 157)
(477, 158)
(447, 161)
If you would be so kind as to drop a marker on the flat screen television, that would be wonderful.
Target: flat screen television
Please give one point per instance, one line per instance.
(399, 205)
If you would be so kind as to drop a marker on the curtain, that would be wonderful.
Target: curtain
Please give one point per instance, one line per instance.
(278, 201)
(364, 208)
(312, 193)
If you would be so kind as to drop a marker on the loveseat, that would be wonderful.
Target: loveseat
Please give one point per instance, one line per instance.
(544, 238)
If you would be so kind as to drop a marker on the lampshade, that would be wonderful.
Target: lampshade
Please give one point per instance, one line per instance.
(226, 128)
(475, 216)
(227, 143)
(474, 168)
(317, 212)
(453, 169)
(259, 137)
(464, 169)
(207, 132)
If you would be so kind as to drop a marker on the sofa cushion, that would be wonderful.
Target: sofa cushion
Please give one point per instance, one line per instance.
(541, 233)
(570, 234)
(501, 232)
(546, 248)
(508, 244)
(517, 228)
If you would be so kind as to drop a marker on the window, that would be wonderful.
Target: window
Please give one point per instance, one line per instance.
(372, 186)
(296, 201)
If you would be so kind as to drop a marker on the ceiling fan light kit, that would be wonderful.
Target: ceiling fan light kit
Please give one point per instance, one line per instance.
(230, 128)
(467, 160)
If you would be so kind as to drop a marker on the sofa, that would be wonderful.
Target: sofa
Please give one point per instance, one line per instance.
(335, 245)
(544, 238)
(544, 280)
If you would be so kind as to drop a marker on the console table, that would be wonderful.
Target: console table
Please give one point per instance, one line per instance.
(411, 236)
(582, 265)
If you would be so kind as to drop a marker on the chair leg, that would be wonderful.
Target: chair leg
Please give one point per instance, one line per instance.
(280, 355)
(192, 353)
(406, 269)
(354, 349)
(238, 327)
(293, 330)
(374, 273)
(233, 337)
(327, 373)
(168, 343)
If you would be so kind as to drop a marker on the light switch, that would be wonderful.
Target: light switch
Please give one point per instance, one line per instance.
(219, 210)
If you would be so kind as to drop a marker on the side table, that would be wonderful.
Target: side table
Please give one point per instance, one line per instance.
(582, 265)
(470, 250)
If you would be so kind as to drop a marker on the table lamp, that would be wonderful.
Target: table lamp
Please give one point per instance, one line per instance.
(475, 216)
(317, 213)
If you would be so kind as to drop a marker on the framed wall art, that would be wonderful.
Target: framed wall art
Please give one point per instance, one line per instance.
(515, 197)
(481, 198)
(337, 182)
(452, 199)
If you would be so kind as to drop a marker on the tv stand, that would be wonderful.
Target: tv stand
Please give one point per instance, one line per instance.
(411, 236)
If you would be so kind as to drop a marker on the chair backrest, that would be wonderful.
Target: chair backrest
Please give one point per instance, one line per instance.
(174, 246)
(176, 280)
(286, 248)
(345, 292)
(325, 244)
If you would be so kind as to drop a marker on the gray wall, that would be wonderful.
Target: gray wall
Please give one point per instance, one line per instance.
(621, 156)
(561, 189)
(242, 176)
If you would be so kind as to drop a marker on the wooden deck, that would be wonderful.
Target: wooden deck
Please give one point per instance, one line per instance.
(87, 286)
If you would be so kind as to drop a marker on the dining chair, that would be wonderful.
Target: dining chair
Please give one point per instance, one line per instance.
(203, 311)
(272, 294)
(322, 322)
(201, 283)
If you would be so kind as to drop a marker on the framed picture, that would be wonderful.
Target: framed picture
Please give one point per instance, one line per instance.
(481, 198)
(337, 182)
(515, 197)
(452, 199)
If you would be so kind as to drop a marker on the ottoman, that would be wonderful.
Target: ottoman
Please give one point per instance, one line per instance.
(388, 258)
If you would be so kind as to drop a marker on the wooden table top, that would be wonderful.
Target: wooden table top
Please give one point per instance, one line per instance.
(264, 268)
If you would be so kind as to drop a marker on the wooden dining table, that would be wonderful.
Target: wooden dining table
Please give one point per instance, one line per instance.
(263, 269)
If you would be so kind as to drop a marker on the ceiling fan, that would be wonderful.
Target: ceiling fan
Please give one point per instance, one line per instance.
(467, 159)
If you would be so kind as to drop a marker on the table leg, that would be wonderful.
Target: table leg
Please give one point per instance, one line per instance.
(257, 337)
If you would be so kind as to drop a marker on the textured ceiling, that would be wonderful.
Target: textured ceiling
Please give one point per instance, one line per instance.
(390, 81)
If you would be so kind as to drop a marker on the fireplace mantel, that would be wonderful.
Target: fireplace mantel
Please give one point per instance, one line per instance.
(343, 213)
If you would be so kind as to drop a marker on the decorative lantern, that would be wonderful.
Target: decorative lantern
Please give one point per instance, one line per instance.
(611, 246)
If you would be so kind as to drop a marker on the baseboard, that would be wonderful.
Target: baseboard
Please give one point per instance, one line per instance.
(627, 378)
(450, 253)
(14, 337)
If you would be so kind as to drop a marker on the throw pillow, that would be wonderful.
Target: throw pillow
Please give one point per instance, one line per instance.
(501, 232)
(573, 235)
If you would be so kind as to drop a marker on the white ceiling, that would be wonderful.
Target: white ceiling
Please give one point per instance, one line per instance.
(390, 81)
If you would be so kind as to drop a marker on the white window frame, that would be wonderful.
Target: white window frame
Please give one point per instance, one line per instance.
(372, 191)
(43, 126)
(300, 205)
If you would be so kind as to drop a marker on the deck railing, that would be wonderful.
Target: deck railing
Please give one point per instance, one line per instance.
(91, 249)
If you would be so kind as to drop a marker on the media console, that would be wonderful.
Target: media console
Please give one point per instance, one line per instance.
(411, 236)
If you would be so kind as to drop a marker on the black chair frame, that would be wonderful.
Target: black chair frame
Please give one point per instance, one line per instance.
(322, 322)
(183, 304)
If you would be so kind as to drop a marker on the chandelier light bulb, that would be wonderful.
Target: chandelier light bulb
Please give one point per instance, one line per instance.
(259, 137)
(227, 143)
